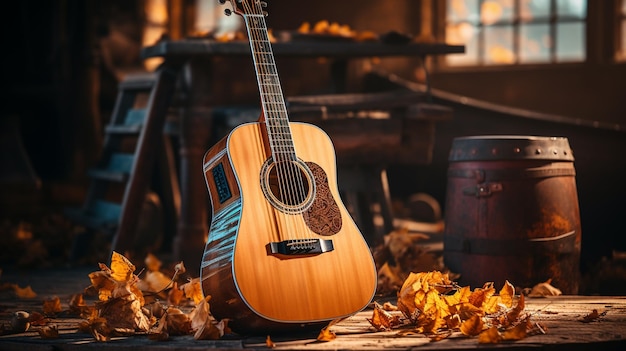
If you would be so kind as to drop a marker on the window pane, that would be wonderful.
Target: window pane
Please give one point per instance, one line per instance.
(570, 42)
(493, 11)
(463, 33)
(499, 45)
(623, 36)
(463, 10)
(535, 43)
(534, 10)
(571, 8)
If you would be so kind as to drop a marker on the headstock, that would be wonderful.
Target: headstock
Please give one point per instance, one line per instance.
(245, 7)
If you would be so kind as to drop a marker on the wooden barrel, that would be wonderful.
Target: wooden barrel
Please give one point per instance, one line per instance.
(511, 212)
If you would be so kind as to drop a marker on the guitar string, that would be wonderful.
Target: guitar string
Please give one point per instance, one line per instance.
(286, 167)
(280, 225)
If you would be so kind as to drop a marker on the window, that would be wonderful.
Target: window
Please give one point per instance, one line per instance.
(621, 42)
(506, 32)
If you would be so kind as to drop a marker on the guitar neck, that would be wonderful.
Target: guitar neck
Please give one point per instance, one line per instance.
(272, 98)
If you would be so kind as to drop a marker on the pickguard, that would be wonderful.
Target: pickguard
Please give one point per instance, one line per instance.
(323, 216)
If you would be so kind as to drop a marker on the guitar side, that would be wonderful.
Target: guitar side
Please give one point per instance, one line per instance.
(261, 290)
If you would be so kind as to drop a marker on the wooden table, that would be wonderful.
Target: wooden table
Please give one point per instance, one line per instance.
(560, 315)
(193, 57)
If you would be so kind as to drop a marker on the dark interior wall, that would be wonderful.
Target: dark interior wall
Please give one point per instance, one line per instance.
(374, 15)
(587, 91)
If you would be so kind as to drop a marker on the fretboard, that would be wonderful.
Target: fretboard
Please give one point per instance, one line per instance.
(272, 99)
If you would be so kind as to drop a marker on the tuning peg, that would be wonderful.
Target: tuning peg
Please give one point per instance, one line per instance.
(263, 3)
(228, 12)
(265, 14)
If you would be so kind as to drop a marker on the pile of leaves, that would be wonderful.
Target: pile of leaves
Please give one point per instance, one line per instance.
(122, 307)
(433, 305)
(126, 305)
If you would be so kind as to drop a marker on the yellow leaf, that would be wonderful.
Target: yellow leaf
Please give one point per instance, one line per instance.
(175, 295)
(326, 334)
(507, 293)
(269, 343)
(480, 295)
(460, 296)
(121, 268)
(492, 305)
(24, 293)
(512, 316)
(516, 333)
(489, 336)
(383, 320)
(153, 264)
(193, 290)
(430, 322)
(156, 281)
(467, 311)
(472, 326)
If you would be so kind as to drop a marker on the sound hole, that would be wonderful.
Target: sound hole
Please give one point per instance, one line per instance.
(288, 185)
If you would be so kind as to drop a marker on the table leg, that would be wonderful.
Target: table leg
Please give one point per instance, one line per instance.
(195, 134)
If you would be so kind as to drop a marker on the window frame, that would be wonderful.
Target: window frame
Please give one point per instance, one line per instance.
(515, 24)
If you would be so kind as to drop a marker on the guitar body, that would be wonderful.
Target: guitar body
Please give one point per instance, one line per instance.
(252, 281)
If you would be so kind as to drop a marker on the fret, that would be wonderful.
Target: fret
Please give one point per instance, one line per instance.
(273, 102)
(272, 99)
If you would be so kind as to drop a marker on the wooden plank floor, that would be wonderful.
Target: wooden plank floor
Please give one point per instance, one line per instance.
(561, 315)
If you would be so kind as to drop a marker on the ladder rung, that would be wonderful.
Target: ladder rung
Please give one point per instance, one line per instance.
(135, 116)
(117, 169)
(108, 175)
(138, 82)
(124, 129)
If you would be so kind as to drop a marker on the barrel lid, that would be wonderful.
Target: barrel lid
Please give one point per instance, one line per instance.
(510, 147)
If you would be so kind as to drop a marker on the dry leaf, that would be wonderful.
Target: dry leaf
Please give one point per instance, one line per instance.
(52, 306)
(326, 334)
(153, 264)
(490, 336)
(121, 268)
(516, 333)
(269, 343)
(593, 316)
(544, 289)
(24, 293)
(512, 316)
(156, 281)
(507, 293)
(383, 320)
(193, 290)
(49, 332)
(472, 326)
(175, 295)
(178, 323)
(210, 330)
(481, 295)
(38, 319)
(388, 306)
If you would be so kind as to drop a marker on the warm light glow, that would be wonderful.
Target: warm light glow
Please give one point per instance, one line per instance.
(490, 12)
(459, 34)
(156, 11)
(500, 54)
(157, 19)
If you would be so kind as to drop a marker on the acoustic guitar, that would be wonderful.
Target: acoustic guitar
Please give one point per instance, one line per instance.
(283, 252)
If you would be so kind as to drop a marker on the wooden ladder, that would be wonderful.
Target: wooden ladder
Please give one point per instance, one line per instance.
(134, 146)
